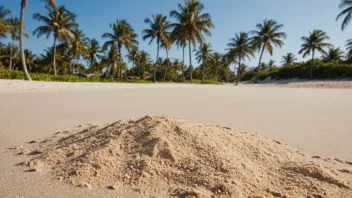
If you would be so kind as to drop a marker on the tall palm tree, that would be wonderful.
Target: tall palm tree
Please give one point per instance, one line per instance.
(334, 55)
(204, 55)
(180, 41)
(93, 49)
(240, 48)
(315, 42)
(266, 37)
(159, 30)
(288, 59)
(166, 44)
(192, 23)
(4, 21)
(122, 35)
(346, 6)
(14, 28)
(23, 58)
(60, 22)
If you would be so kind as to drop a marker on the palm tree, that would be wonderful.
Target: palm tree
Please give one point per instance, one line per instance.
(240, 48)
(166, 44)
(14, 27)
(23, 58)
(110, 59)
(93, 49)
(271, 64)
(158, 29)
(180, 41)
(4, 21)
(334, 55)
(349, 47)
(29, 58)
(78, 45)
(192, 24)
(132, 56)
(60, 22)
(267, 35)
(122, 35)
(216, 64)
(346, 6)
(289, 59)
(315, 41)
(204, 55)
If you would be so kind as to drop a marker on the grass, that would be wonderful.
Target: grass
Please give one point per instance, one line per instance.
(12, 75)
(6, 74)
(208, 82)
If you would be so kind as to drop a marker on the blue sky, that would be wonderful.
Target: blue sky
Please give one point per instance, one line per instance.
(229, 17)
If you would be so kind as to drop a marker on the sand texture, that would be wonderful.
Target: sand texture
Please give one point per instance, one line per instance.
(169, 157)
(317, 122)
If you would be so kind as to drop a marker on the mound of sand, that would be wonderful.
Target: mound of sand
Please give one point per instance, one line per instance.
(163, 157)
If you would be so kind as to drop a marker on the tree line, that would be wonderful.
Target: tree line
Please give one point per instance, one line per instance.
(188, 26)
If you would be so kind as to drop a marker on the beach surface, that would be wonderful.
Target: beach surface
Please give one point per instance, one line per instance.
(317, 120)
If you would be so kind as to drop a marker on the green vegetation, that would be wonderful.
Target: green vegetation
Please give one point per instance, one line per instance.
(302, 70)
(6, 74)
(187, 26)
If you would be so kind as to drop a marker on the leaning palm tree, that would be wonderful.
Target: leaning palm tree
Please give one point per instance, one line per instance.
(60, 22)
(191, 24)
(23, 58)
(204, 55)
(267, 36)
(315, 42)
(334, 55)
(240, 48)
(4, 21)
(346, 6)
(122, 35)
(288, 59)
(14, 28)
(159, 30)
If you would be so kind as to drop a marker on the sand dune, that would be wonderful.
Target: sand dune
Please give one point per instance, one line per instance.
(316, 121)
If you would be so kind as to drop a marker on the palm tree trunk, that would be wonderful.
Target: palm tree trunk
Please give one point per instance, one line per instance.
(311, 67)
(23, 58)
(238, 71)
(203, 71)
(260, 61)
(183, 63)
(120, 64)
(11, 48)
(167, 58)
(54, 59)
(190, 62)
(156, 62)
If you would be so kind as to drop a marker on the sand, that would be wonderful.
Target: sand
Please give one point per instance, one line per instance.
(316, 121)
(160, 156)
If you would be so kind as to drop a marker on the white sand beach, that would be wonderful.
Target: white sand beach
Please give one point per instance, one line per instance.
(315, 121)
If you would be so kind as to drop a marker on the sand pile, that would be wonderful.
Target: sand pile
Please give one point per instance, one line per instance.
(163, 157)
